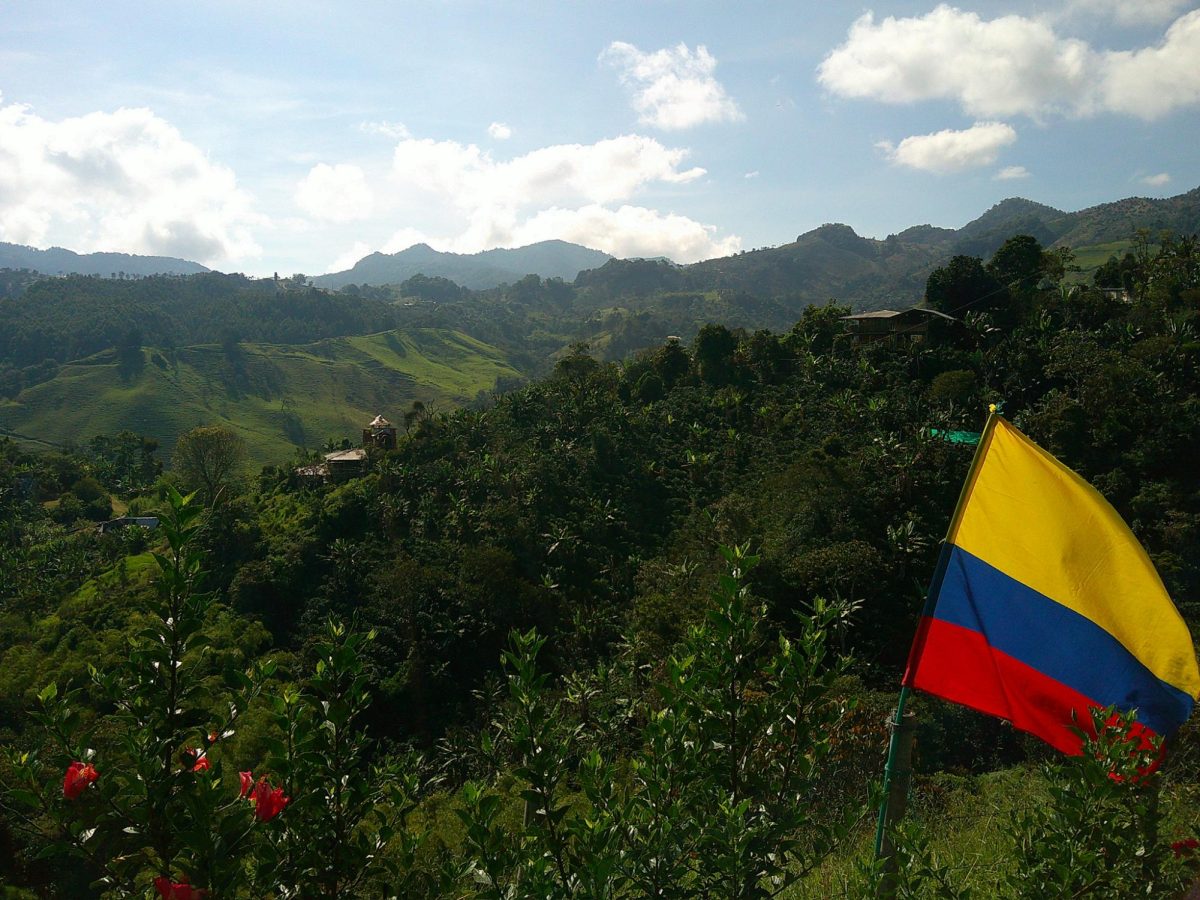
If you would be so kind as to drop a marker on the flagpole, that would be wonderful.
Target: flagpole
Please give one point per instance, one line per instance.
(897, 771)
(897, 775)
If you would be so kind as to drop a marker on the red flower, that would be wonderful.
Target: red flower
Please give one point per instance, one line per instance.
(77, 779)
(1141, 740)
(181, 890)
(1185, 847)
(268, 802)
(247, 782)
(194, 758)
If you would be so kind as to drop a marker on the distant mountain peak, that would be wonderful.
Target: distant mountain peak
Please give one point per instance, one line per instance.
(1011, 204)
(478, 271)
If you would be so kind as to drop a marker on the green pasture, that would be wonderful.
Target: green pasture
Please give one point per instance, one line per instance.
(276, 397)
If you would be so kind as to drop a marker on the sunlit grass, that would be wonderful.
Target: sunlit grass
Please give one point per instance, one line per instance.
(277, 397)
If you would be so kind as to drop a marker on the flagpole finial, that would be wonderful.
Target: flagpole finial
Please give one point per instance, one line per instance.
(991, 407)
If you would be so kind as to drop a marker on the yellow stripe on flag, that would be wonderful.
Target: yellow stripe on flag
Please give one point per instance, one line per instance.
(1038, 522)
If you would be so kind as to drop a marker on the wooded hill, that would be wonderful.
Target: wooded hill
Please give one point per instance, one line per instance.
(491, 268)
(834, 262)
(57, 261)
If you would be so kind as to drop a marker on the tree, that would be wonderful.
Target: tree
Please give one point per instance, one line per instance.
(130, 360)
(125, 462)
(1019, 264)
(577, 364)
(713, 351)
(210, 459)
(961, 285)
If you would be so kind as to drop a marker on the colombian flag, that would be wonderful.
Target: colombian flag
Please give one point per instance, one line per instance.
(1044, 604)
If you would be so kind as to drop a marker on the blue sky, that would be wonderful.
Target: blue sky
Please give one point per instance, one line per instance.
(299, 136)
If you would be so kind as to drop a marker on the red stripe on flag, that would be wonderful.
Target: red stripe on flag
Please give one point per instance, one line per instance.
(959, 665)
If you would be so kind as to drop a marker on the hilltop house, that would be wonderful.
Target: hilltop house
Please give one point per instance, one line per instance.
(345, 464)
(380, 434)
(912, 325)
(342, 465)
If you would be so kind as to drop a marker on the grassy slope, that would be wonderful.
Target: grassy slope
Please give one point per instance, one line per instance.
(1094, 256)
(276, 397)
(968, 821)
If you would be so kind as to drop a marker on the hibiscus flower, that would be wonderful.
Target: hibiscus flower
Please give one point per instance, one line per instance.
(77, 779)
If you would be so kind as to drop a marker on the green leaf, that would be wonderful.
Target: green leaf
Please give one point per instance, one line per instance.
(25, 798)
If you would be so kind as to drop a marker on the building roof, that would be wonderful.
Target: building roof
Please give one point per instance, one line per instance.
(380, 422)
(874, 314)
(343, 456)
(892, 313)
(150, 522)
(316, 471)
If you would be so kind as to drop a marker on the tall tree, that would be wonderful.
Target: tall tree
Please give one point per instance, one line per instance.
(961, 285)
(1019, 263)
(210, 459)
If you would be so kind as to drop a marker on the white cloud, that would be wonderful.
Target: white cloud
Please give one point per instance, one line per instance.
(628, 231)
(952, 151)
(1011, 173)
(1124, 12)
(1153, 81)
(499, 131)
(625, 231)
(1012, 65)
(675, 87)
(335, 193)
(753, 174)
(463, 199)
(602, 172)
(394, 130)
(993, 68)
(558, 183)
(1162, 178)
(349, 258)
(125, 181)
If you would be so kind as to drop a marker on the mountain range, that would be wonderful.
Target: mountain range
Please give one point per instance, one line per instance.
(831, 261)
(57, 261)
(547, 259)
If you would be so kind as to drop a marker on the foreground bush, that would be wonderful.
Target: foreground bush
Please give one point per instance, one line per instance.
(717, 798)
(141, 800)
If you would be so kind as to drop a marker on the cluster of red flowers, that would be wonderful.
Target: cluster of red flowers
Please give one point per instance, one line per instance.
(268, 802)
(1186, 847)
(1140, 740)
(177, 890)
(77, 779)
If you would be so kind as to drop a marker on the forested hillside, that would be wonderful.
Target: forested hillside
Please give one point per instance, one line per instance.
(491, 268)
(57, 261)
(90, 344)
(605, 758)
